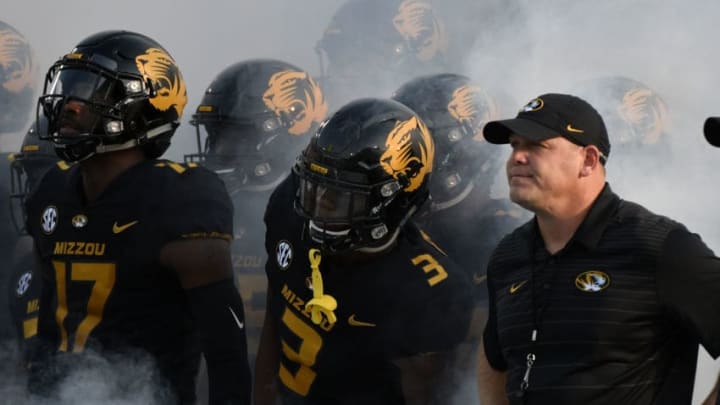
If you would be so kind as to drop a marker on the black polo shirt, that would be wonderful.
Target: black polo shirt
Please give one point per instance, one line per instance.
(619, 311)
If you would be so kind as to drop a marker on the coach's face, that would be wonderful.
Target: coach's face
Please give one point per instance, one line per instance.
(542, 172)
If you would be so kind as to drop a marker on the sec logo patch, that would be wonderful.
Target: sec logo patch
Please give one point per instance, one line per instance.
(284, 254)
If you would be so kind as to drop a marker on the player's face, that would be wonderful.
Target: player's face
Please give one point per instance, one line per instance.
(540, 173)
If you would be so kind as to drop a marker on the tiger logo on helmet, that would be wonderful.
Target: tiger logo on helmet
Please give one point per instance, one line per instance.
(473, 107)
(16, 63)
(415, 21)
(158, 66)
(294, 96)
(645, 112)
(409, 153)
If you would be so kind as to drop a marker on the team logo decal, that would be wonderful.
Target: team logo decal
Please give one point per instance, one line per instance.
(416, 23)
(533, 105)
(295, 97)
(645, 112)
(79, 221)
(409, 153)
(470, 106)
(284, 254)
(23, 284)
(155, 64)
(49, 219)
(592, 281)
(16, 65)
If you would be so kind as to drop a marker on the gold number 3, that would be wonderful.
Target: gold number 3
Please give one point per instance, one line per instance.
(431, 266)
(305, 356)
(103, 276)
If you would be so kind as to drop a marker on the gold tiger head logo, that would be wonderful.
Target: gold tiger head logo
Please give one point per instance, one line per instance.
(592, 281)
(409, 152)
(155, 64)
(16, 66)
(416, 23)
(645, 112)
(295, 96)
(471, 106)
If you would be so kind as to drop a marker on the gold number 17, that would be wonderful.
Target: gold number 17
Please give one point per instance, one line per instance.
(103, 276)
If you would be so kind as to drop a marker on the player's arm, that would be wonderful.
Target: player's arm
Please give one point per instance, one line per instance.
(204, 268)
(267, 361)
(491, 376)
(491, 382)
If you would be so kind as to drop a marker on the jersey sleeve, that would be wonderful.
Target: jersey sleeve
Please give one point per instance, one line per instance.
(436, 309)
(197, 205)
(688, 281)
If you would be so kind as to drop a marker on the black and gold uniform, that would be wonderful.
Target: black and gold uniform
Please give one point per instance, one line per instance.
(103, 261)
(614, 317)
(27, 168)
(24, 296)
(254, 119)
(8, 239)
(410, 300)
(353, 285)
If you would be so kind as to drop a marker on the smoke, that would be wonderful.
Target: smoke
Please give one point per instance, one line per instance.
(520, 47)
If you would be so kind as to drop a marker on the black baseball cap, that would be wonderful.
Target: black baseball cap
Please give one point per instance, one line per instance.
(712, 131)
(552, 115)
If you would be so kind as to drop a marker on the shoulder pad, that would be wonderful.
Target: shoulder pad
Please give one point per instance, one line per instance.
(179, 168)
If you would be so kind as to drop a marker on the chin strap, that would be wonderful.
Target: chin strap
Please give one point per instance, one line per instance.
(321, 304)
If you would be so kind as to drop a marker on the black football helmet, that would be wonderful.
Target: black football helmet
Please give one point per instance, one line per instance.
(363, 175)
(635, 115)
(115, 90)
(455, 110)
(27, 167)
(17, 79)
(371, 46)
(257, 116)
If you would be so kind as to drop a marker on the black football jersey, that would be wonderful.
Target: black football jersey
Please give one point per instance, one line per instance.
(24, 295)
(248, 250)
(103, 284)
(469, 234)
(8, 239)
(410, 300)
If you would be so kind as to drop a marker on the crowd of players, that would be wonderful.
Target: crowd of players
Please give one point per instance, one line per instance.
(353, 274)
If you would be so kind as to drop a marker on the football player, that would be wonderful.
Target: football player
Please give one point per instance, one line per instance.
(134, 251)
(251, 124)
(27, 167)
(354, 287)
(17, 89)
(463, 217)
(371, 47)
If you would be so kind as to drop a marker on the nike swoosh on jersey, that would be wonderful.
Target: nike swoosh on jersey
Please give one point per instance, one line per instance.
(121, 228)
(240, 325)
(477, 280)
(352, 321)
(516, 286)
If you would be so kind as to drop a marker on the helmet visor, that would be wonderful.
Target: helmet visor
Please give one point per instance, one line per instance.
(77, 100)
(330, 203)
